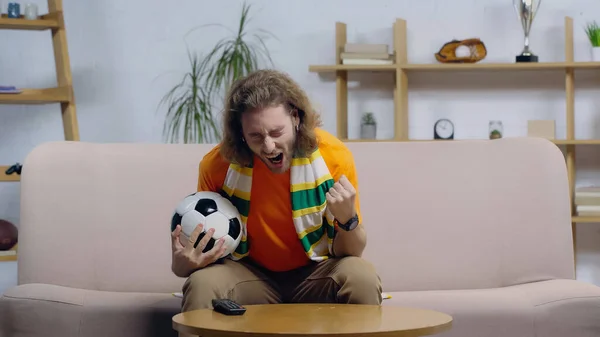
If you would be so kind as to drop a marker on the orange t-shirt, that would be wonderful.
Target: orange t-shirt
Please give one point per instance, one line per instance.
(273, 241)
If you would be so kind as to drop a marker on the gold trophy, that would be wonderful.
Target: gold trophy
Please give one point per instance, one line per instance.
(526, 11)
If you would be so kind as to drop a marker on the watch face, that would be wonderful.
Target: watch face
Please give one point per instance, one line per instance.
(444, 128)
(353, 225)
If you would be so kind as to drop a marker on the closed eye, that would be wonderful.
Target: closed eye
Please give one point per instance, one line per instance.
(277, 132)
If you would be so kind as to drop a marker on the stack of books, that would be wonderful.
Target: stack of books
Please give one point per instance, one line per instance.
(366, 54)
(587, 201)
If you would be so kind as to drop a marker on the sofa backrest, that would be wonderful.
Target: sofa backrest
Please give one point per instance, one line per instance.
(439, 215)
(97, 216)
(465, 214)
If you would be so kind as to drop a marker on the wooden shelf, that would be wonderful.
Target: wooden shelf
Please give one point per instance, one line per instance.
(4, 258)
(38, 96)
(352, 67)
(586, 219)
(555, 141)
(501, 66)
(441, 67)
(48, 21)
(8, 177)
(577, 142)
(8, 258)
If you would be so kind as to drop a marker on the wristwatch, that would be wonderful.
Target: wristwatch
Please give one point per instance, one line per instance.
(350, 225)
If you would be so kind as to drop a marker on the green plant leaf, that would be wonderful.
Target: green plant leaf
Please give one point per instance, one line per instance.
(189, 111)
(368, 118)
(592, 31)
(234, 57)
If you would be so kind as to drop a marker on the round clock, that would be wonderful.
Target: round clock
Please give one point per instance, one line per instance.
(443, 129)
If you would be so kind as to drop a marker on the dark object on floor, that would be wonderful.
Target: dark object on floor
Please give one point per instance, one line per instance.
(8, 235)
(447, 53)
(16, 168)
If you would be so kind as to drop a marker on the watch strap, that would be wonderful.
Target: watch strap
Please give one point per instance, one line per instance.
(350, 225)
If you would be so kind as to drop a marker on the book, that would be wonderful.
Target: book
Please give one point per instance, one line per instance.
(587, 196)
(377, 56)
(367, 61)
(376, 48)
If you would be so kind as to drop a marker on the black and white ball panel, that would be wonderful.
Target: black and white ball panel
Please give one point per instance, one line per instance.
(175, 220)
(226, 207)
(235, 223)
(190, 221)
(219, 222)
(235, 227)
(206, 202)
(206, 207)
(188, 203)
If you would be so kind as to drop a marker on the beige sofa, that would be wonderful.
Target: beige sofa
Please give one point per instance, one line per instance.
(477, 229)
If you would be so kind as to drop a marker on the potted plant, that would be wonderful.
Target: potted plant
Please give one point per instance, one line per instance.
(191, 103)
(593, 33)
(368, 126)
(496, 129)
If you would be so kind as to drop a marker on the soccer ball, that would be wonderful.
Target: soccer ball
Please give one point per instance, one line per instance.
(212, 211)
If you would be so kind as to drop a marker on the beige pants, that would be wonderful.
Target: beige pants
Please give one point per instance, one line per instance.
(338, 280)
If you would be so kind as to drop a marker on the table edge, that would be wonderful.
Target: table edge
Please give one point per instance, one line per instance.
(430, 330)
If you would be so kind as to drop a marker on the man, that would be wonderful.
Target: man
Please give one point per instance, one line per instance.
(295, 186)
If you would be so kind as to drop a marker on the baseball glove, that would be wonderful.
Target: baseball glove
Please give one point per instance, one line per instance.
(475, 51)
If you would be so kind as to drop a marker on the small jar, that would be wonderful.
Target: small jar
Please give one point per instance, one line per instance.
(31, 11)
(496, 129)
(13, 10)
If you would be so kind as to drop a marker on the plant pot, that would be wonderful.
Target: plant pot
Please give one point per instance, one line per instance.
(596, 54)
(368, 131)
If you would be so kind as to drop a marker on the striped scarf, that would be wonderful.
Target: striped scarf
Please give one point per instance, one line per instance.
(310, 180)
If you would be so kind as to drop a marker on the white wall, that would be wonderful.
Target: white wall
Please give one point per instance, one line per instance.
(126, 54)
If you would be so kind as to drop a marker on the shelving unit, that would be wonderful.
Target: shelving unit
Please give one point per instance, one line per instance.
(401, 69)
(62, 94)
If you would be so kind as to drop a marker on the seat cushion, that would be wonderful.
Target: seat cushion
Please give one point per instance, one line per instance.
(48, 310)
(547, 308)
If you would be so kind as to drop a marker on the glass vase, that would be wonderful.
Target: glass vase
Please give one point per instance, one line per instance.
(496, 129)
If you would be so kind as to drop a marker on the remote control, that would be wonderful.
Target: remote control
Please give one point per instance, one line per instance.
(228, 307)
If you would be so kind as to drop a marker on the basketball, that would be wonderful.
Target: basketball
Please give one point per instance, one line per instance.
(212, 211)
(8, 235)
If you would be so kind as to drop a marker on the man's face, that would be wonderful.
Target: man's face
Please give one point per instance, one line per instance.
(271, 135)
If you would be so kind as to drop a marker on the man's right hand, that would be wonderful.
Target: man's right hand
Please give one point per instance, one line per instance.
(187, 259)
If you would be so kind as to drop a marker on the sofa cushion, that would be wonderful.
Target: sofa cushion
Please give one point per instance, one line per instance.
(548, 308)
(50, 310)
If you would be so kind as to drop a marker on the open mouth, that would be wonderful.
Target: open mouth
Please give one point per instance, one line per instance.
(277, 159)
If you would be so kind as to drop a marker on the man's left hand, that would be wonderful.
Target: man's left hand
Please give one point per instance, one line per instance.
(340, 200)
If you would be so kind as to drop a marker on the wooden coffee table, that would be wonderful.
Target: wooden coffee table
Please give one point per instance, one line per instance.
(314, 320)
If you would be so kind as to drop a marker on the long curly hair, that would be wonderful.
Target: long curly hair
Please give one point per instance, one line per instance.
(258, 90)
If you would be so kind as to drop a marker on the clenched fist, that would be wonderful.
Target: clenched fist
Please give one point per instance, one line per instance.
(340, 200)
